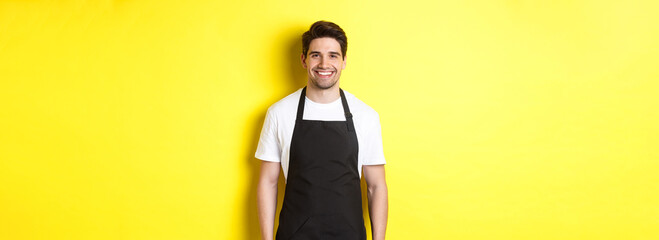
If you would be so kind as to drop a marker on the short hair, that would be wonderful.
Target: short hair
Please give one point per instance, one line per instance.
(322, 29)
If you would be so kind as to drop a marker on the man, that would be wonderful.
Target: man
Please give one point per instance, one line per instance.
(322, 136)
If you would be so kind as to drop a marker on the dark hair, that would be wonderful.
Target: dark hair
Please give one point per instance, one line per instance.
(322, 29)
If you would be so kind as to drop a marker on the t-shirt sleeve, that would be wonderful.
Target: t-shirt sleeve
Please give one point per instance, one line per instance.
(373, 152)
(268, 148)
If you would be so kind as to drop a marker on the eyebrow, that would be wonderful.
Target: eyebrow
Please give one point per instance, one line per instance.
(331, 52)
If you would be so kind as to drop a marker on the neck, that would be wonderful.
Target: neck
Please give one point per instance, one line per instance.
(323, 95)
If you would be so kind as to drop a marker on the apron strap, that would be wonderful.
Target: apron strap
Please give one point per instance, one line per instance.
(346, 109)
(300, 105)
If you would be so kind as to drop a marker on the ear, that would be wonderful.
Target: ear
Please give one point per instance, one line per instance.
(303, 60)
(344, 63)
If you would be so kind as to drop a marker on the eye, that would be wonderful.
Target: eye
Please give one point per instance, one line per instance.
(314, 55)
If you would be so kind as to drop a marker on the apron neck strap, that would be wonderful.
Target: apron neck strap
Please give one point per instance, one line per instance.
(346, 109)
(300, 105)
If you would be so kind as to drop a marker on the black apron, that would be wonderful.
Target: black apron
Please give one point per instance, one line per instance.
(323, 193)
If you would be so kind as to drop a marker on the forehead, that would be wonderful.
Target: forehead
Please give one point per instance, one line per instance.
(324, 44)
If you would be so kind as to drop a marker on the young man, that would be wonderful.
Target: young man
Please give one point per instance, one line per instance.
(322, 136)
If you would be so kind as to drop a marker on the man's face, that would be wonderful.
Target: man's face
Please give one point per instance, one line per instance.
(324, 62)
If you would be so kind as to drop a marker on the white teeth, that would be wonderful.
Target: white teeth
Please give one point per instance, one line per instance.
(325, 73)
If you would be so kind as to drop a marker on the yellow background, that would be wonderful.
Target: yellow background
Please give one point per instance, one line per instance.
(501, 119)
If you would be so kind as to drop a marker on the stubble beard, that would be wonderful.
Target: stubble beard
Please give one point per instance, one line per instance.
(324, 86)
(329, 84)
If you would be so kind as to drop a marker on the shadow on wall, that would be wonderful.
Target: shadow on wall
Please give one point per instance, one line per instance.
(297, 79)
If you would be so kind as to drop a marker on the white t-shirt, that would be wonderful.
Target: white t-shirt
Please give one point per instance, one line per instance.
(275, 142)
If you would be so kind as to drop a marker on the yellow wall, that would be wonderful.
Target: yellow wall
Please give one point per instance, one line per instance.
(501, 119)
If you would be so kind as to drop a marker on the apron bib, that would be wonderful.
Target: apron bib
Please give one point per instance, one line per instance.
(322, 199)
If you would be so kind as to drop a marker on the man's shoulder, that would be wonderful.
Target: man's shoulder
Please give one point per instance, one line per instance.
(359, 108)
(284, 105)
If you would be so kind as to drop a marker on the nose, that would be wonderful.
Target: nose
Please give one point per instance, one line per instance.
(323, 63)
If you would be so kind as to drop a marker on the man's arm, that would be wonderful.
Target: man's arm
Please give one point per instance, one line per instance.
(267, 198)
(377, 199)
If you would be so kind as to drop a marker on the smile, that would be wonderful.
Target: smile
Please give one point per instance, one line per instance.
(325, 73)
